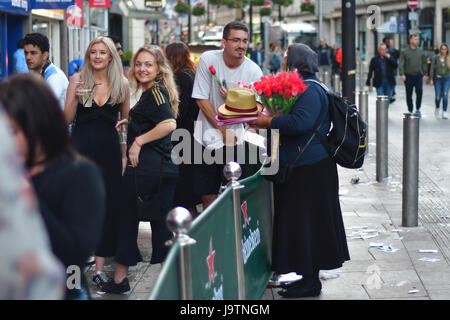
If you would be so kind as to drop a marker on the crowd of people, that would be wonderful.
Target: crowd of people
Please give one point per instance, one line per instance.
(88, 153)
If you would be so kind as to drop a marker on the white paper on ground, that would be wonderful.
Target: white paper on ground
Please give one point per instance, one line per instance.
(429, 259)
(428, 251)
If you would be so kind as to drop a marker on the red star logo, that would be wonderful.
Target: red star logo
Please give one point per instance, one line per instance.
(210, 262)
(244, 211)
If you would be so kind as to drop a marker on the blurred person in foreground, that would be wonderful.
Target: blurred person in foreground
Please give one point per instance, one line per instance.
(28, 268)
(69, 188)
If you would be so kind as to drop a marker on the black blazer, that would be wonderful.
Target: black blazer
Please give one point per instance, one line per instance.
(375, 68)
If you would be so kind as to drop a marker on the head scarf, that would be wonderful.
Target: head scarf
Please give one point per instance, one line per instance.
(302, 58)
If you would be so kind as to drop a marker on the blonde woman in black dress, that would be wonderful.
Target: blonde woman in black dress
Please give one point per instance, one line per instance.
(95, 97)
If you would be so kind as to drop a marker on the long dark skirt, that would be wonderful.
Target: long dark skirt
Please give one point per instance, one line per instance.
(308, 233)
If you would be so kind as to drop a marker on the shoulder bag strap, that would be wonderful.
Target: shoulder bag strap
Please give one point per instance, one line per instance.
(315, 130)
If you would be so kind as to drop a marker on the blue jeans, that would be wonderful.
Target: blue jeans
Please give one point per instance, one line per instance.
(385, 89)
(441, 86)
(414, 81)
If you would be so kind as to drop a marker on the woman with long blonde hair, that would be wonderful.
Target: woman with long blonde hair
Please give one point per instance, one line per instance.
(96, 98)
(440, 77)
(150, 171)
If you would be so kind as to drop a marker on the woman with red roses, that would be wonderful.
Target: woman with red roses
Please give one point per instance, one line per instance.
(308, 232)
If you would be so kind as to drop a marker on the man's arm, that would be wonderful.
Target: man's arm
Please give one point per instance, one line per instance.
(401, 66)
(229, 138)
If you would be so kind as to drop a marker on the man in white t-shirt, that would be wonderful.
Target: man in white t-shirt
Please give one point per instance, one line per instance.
(232, 69)
(36, 49)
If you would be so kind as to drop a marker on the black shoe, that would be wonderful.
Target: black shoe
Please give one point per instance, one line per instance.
(301, 290)
(112, 287)
(290, 284)
(392, 100)
(100, 279)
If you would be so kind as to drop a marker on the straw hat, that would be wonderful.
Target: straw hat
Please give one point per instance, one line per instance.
(240, 102)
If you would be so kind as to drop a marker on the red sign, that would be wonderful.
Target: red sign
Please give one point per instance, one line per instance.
(74, 14)
(413, 4)
(99, 3)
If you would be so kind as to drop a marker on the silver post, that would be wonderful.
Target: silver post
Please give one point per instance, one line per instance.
(410, 197)
(232, 171)
(178, 221)
(364, 112)
(336, 83)
(361, 76)
(327, 78)
(382, 138)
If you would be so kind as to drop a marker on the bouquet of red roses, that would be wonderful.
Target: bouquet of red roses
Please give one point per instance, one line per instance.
(280, 92)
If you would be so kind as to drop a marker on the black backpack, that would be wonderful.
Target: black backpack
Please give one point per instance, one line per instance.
(346, 140)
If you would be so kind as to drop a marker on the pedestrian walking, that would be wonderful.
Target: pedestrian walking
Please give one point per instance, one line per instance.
(257, 55)
(335, 67)
(150, 170)
(382, 68)
(36, 48)
(217, 71)
(308, 230)
(395, 54)
(324, 53)
(95, 97)
(179, 57)
(413, 70)
(69, 188)
(440, 78)
(274, 58)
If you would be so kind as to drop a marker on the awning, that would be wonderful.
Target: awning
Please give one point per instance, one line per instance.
(129, 10)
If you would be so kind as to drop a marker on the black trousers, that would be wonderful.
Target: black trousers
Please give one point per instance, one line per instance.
(128, 253)
(414, 81)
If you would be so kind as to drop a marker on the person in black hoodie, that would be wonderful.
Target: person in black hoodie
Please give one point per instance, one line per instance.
(69, 188)
(382, 66)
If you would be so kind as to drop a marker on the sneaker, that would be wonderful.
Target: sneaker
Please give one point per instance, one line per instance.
(444, 115)
(117, 288)
(436, 112)
(100, 279)
(419, 114)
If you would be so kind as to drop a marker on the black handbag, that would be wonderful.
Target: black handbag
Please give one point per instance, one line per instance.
(148, 207)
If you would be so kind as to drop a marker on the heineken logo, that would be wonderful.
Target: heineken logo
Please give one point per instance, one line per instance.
(244, 212)
(210, 262)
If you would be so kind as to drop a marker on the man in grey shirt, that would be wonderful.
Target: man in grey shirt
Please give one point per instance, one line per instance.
(232, 69)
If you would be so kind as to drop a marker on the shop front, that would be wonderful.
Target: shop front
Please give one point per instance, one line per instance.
(12, 14)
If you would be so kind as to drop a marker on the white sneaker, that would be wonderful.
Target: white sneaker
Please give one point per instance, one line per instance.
(444, 115)
(436, 112)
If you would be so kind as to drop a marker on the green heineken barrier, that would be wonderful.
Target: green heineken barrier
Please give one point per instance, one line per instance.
(213, 260)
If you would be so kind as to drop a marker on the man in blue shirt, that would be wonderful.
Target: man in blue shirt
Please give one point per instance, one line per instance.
(20, 64)
(257, 55)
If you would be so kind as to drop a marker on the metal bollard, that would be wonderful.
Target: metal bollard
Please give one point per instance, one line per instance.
(232, 171)
(336, 84)
(178, 221)
(327, 78)
(382, 138)
(410, 196)
(361, 76)
(364, 112)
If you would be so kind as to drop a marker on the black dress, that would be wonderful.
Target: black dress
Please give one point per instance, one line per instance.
(96, 138)
(187, 115)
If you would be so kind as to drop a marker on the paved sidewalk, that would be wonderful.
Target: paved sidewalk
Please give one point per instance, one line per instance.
(372, 215)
